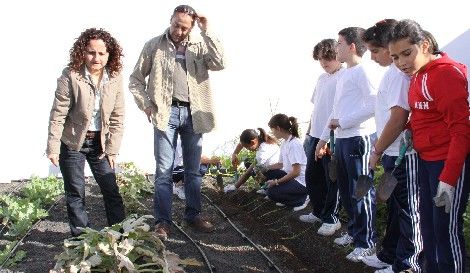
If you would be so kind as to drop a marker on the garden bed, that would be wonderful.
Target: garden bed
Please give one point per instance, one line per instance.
(293, 246)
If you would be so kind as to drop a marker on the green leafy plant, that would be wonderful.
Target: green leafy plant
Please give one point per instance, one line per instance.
(125, 247)
(19, 255)
(43, 191)
(466, 226)
(19, 214)
(133, 186)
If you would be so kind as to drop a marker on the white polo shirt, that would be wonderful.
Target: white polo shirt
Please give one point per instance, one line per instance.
(292, 152)
(267, 154)
(393, 91)
(322, 99)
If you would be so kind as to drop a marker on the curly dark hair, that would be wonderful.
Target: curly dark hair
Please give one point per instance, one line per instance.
(325, 50)
(77, 52)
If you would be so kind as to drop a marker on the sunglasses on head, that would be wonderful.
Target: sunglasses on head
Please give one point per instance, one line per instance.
(185, 9)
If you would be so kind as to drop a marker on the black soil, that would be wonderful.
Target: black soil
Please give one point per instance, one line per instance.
(293, 246)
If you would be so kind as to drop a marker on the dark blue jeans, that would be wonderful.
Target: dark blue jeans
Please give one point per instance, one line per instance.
(324, 196)
(164, 150)
(72, 166)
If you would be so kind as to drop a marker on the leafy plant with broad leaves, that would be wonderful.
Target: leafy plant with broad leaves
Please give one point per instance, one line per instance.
(19, 214)
(43, 191)
(133, 186)
(19, 255)
(125, 247)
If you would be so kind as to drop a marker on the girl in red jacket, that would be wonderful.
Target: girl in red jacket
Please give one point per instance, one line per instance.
(439, 121)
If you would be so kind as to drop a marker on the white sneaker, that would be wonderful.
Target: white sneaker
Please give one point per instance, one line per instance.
(359, 253)
(304, 205)
(261, 191)
(344, 240)
(309, 218)
(385, 270)
(373, 261)
(329, 229)
(180, 192)
(229, 188)
(279, 204)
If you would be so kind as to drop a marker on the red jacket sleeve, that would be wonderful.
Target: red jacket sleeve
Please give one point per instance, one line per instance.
(450, 93)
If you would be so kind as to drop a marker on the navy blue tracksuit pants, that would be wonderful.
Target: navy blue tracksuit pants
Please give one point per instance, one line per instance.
(353, 160)
(444, 245)
(402, 243)
(323, 193)
(290, 193)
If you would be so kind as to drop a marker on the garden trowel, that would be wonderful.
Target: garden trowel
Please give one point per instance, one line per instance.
(363, 185)
(333, 164)
(388, 182)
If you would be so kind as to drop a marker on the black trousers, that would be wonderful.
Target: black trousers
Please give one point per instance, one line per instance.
(72, 166)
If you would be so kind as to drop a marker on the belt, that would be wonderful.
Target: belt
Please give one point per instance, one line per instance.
(92, 134)
(178, 103)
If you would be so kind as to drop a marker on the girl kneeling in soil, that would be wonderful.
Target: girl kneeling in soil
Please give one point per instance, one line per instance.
(267, 153)
(288, 188)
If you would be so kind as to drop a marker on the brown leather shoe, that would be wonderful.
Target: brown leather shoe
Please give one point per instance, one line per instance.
(162, 231)
(202, 225)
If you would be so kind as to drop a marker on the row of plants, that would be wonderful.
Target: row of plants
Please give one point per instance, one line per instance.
(134, 186)
(18, 213)
(129, 246)
(125, 247)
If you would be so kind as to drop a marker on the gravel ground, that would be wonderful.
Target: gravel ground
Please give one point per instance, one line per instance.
(292, 245)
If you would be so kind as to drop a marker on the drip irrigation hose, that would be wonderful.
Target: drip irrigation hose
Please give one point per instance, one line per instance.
(27, 233)
(203, 254)
(271, 264)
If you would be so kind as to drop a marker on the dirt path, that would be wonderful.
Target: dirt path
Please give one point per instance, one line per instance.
(292, 245)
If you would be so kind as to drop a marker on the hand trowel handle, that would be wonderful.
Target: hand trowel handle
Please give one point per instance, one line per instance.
(332, 141)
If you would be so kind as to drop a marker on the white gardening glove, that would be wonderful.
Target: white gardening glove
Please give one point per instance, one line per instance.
(229, 188)
(444, 196)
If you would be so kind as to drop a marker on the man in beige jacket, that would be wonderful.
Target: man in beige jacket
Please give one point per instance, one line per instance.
(177, 99)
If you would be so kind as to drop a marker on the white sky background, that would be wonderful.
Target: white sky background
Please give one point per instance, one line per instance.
(268, 48)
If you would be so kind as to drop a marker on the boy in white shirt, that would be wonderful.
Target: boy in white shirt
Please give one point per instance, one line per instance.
(353, 121)
(322, 191)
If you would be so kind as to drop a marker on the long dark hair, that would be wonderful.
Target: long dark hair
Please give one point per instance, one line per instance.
(286, 123)
(408, 29)
(77, 52)
(250, 134)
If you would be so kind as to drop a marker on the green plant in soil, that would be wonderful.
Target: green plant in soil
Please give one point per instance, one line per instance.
(19, 255)
(19, 214)
(43, 191)
(466, 227)
(133, 186)
(129, 246)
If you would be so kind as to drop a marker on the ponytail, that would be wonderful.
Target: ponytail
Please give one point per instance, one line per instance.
(294, 127)
(288, 124)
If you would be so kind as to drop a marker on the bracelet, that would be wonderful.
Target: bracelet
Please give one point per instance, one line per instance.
(276, 182)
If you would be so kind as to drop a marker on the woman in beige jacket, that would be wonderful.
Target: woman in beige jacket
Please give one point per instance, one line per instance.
(87, 122)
